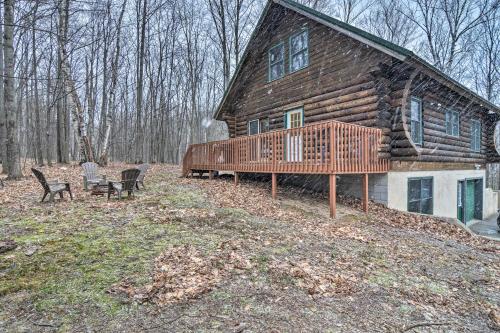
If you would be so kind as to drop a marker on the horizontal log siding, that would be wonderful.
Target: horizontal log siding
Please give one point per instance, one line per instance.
(437, 145)
(338, 84)
(493, 156)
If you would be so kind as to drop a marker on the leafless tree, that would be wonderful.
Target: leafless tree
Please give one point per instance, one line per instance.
(13, 158)
(385, 20)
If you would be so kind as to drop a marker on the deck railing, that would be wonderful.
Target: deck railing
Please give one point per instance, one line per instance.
(321, 148)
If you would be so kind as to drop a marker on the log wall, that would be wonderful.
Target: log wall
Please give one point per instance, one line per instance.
(340, 82)
(351, 82)
(438, 146)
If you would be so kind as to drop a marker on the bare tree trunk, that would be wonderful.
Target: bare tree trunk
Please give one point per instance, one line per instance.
(103, 160)
(62, 135)
(12, 140)
(3, 116)
(70, 90)
(48, 143)
(139, 137)
(38, 135)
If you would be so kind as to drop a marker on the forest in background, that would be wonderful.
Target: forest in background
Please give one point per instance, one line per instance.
(139, 80)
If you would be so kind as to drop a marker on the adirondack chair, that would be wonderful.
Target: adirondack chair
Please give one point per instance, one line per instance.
(140, 180)
(90, 175)
(127, 184)
(51, 187)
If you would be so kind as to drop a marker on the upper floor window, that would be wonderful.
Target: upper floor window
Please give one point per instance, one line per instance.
(416, 127)
(452, 123)
(299, 51)
(475, 142)
(277, 62)
(253, 127)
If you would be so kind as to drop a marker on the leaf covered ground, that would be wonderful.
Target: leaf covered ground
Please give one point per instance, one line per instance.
(204, 255)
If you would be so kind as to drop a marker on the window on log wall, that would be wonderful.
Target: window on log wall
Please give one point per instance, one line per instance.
(416, 120)
(277, 62)
(475, 142)
(452, 123)
(253, 127)
(264, 125)
(299, 51)
(496, 138)
(420, 198)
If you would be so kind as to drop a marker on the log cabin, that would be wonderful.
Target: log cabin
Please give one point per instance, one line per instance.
(314, 95)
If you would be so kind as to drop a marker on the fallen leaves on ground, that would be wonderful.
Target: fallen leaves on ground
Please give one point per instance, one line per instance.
(184, 272)
(316, 279)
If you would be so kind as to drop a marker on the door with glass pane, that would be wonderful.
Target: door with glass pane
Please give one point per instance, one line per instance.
(294, 119)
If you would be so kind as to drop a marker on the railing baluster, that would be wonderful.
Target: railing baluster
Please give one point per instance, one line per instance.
(327, 147)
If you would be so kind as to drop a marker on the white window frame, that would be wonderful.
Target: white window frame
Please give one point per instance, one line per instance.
(420, 120)
(448, 119)
(258, 126)
(279, 62)
(475, 142)
(304, 50)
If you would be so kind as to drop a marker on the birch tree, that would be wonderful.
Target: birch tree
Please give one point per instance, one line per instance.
(13, 158)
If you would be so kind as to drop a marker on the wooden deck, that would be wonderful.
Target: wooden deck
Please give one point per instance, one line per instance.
(321, 148)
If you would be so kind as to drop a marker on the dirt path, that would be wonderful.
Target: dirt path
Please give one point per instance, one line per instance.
(194, 254)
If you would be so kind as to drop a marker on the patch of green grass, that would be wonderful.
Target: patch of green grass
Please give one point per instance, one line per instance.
(77, 263)
(232, 213)
(383, 279)
(373, 255)
(186, 198)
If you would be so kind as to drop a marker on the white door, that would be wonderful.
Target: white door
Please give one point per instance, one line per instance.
(294, 119)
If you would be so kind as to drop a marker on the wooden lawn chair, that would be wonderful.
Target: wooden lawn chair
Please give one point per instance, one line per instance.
(127, 184)
(51, 187)
(90, 175)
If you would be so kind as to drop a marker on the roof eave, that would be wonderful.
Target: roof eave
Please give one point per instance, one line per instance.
(242, 60)
(414, 59)
(342, 30)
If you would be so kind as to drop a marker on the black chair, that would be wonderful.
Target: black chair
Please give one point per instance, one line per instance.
(51, 187)
(128, 183)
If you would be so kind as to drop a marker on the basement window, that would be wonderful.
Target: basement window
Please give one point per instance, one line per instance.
(420, 199)
(475, 133)
(452, 123)
(416, 120)
(276, 62)
(299, 51)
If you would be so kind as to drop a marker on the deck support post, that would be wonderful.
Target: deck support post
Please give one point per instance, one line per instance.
(210, 174)
(236, 178)
(365, 192)
(274, 185)
(333, 195)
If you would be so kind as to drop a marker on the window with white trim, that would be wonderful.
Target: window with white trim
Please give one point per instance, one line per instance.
(475, 143)
(496, 137)
(276, 62)
(253, 127)
(416, 120)
(452, 123)
(299, 51)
